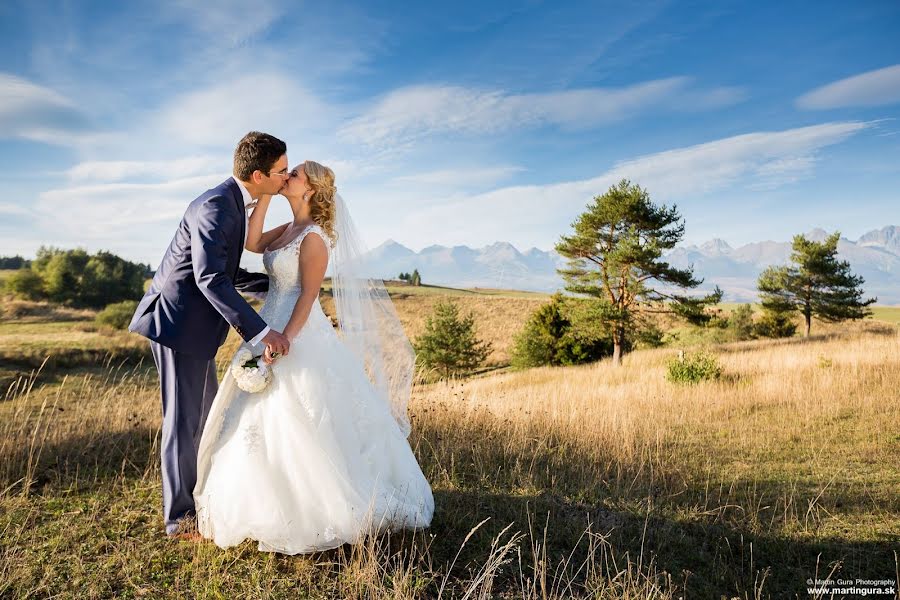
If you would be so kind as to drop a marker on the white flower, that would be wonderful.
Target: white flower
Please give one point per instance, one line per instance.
(251, 379)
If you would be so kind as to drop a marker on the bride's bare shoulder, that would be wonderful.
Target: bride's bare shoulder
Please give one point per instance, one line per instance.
(313, 240)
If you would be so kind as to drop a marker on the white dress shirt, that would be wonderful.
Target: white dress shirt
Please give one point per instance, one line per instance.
(247, 200)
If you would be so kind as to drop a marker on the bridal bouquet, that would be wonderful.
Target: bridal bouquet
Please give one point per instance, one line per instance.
(250, 372)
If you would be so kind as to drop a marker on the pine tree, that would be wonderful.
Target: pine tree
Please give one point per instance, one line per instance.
(415, 278)
(740, 324)
(615, 253)
(549, 337)
(450, 344)
(815, 284)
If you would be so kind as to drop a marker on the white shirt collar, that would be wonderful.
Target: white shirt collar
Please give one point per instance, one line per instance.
(244, 193)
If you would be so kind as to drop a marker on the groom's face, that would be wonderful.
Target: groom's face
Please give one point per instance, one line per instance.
(275, 180)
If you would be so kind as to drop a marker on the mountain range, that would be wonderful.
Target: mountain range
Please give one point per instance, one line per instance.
(875, 256)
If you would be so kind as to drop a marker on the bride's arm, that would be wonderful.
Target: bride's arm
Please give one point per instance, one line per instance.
(257, 241)
(313, 262)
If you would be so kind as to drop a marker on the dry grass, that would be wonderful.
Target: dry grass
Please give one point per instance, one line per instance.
(26, 311)
(551, 483)
(498, 317)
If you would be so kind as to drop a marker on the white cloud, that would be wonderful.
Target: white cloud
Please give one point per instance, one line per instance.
(413, 112)
(119, 170)
(461, 177)
(117, 215)
(32, 111)
(533, 215)
(874, 88)
(220, 115)
(233, 20)
(15, 210)
(137, 219)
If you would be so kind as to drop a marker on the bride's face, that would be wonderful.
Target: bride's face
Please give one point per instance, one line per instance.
(297, 183)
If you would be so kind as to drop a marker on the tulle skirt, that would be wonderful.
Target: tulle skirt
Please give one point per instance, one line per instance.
(314, 461)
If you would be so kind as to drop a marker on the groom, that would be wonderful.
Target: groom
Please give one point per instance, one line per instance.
(193, 299)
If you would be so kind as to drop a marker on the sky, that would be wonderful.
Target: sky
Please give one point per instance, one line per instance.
(451, 123)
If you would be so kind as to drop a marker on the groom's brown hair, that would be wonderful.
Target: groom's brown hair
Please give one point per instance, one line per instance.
(257, 151)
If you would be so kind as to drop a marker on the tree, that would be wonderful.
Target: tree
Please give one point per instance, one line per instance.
(614, 255)
(415, 278)
(108, 278)
(404, 277)
(450, 344)
(26, 284)
(740, 324)
(776, 324)
(551, 338)
(77, 278)
(62, 275)
(13, 262)
(816, 284)
(117, 315)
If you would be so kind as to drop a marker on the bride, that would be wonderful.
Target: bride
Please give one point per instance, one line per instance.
(320, 457)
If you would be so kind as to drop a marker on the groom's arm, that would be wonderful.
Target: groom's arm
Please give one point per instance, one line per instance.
(251, 283)
(209, 249)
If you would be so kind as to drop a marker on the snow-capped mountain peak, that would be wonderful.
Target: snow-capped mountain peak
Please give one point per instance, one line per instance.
(716, 246)
(875, 256)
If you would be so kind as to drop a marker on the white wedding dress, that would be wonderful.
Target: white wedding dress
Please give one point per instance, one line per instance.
(317, 459)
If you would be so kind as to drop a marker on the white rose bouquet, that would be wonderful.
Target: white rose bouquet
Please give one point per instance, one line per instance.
(250, 372)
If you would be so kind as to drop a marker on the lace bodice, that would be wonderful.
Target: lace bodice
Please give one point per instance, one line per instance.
(283, 267)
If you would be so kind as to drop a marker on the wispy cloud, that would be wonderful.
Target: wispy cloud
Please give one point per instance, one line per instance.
(771, 157)
(532, 215)
(231, 20)
(461, 177)
(415, 112)
(117, 214)
(873, 88)
(119, 170)
(220, 114)
(32, 111)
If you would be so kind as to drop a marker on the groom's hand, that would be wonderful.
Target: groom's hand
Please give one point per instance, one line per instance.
(275, 342)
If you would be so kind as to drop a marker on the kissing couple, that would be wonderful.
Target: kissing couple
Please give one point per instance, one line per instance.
(320, 457)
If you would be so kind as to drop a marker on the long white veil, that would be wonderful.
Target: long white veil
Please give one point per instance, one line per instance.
(368, 321)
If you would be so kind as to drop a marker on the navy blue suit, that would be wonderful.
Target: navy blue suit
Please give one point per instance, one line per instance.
(192, 300)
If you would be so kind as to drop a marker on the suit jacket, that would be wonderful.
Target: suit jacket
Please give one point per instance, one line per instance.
(193, 297)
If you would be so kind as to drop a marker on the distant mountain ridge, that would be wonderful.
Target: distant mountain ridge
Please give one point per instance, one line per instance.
(875, 256)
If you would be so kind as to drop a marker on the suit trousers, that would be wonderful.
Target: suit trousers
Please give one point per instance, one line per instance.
(188, 387)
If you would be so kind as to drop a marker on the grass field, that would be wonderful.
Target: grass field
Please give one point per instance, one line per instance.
(588, 481)
(549, 483)
(889, 314)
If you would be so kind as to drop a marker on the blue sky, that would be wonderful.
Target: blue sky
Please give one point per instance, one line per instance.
(451, 124)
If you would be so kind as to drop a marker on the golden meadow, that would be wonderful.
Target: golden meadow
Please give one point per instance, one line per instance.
(588, 481)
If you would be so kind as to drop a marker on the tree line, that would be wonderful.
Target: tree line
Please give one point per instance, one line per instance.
(13, 262)
(76, 278)
(620, 282)
(411, 278)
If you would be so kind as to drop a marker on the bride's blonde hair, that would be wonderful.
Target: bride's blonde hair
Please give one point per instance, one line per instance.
(321, 203)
